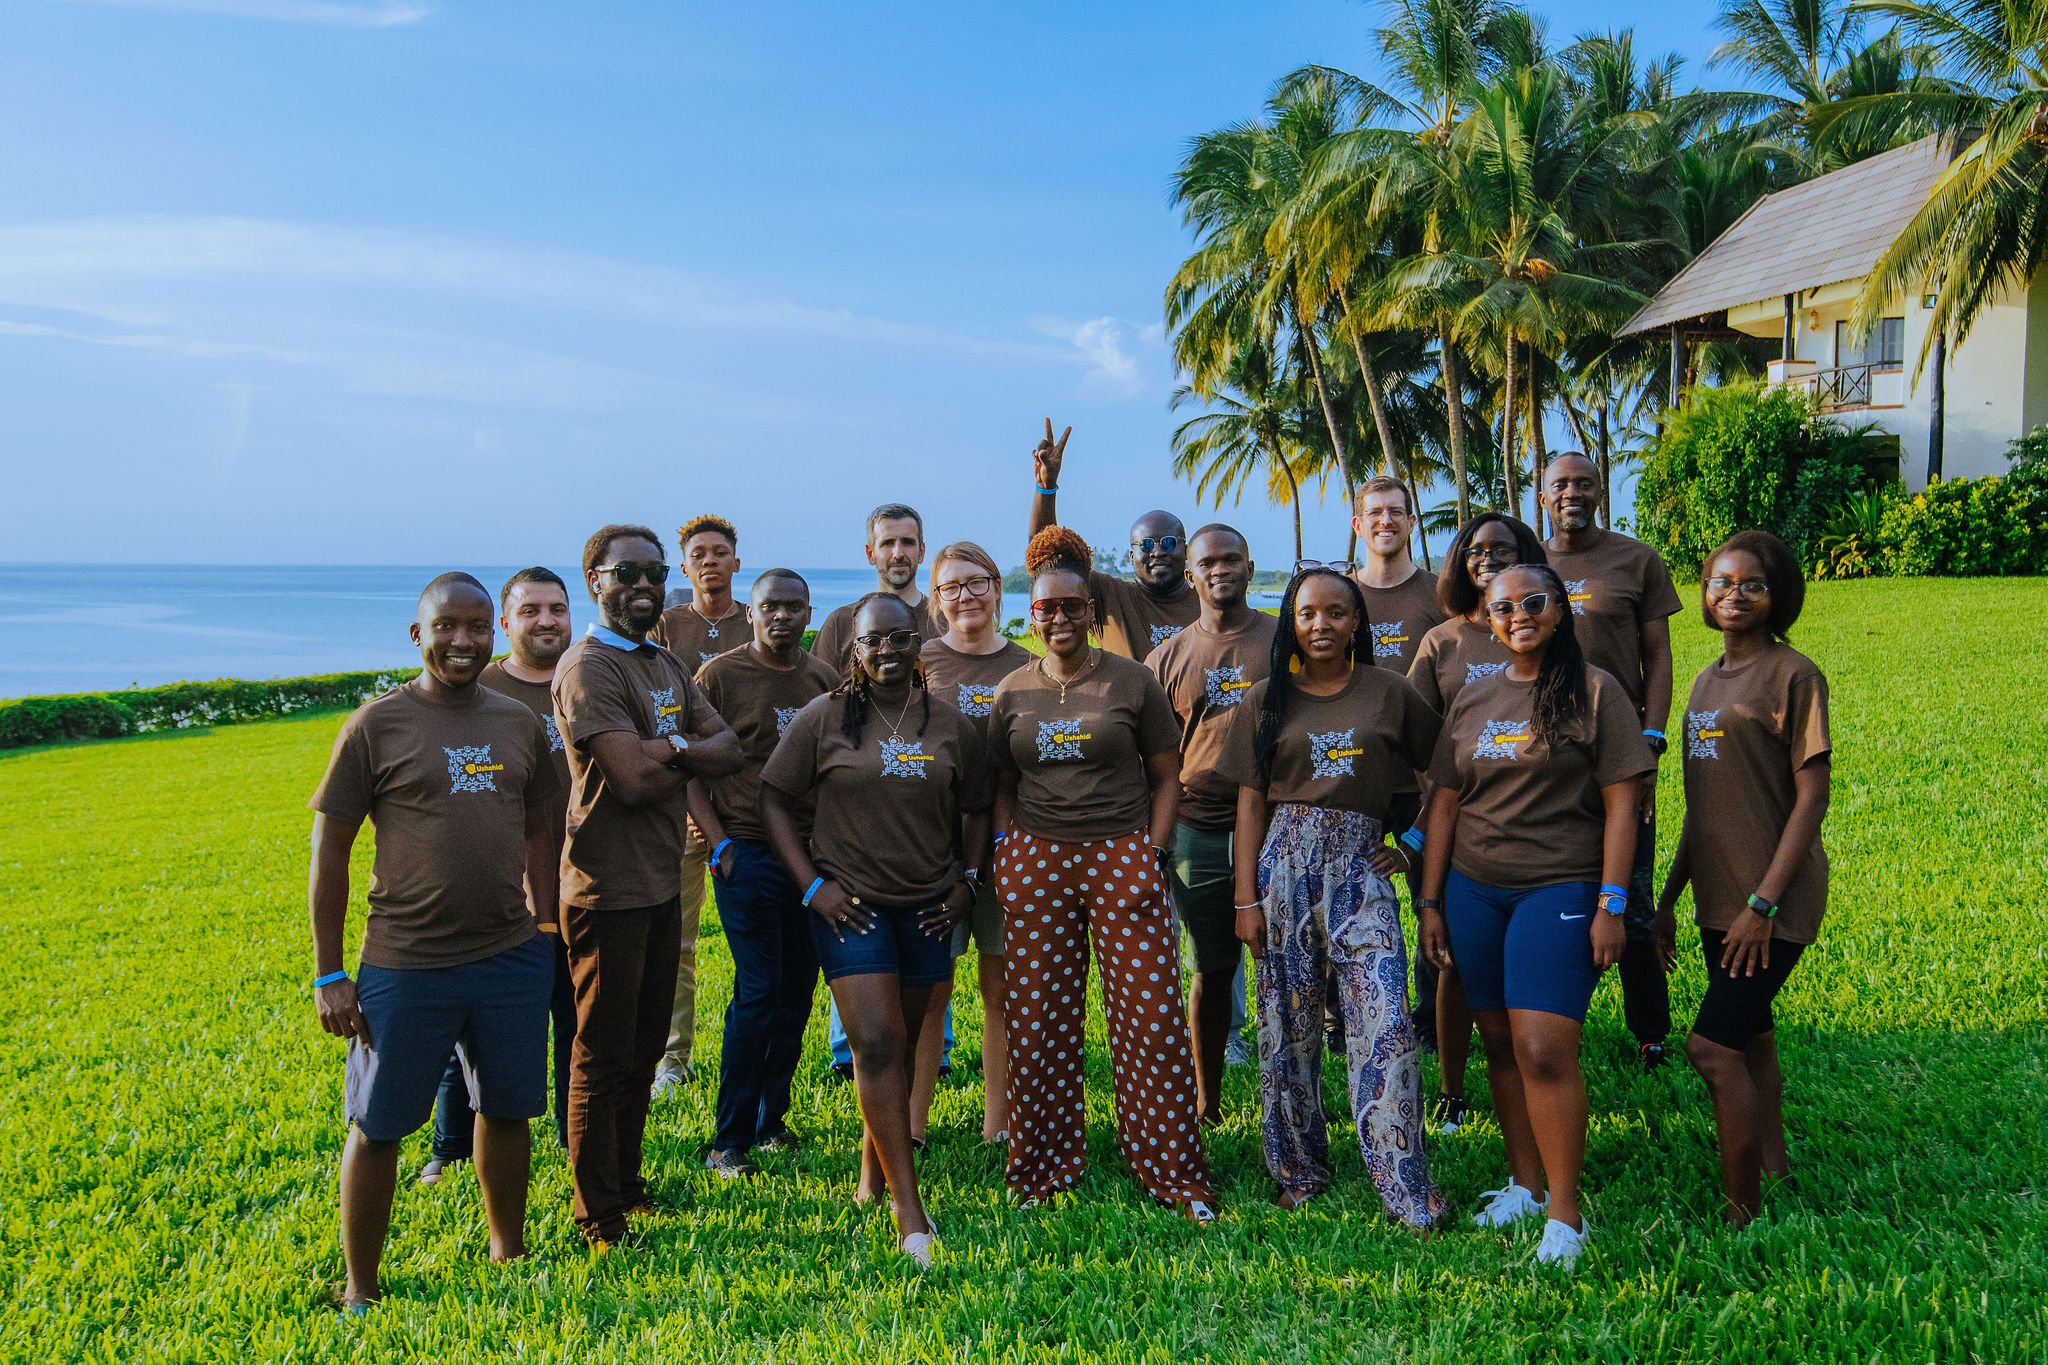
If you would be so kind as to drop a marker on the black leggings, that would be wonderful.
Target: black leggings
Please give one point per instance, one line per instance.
(1738, 1008)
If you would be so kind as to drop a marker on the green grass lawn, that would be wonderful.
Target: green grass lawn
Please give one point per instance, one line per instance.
(170, 1111)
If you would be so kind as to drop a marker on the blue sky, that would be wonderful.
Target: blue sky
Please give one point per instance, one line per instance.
(357, 281)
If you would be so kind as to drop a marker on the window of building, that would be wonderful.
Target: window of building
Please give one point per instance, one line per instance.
(1885, 347)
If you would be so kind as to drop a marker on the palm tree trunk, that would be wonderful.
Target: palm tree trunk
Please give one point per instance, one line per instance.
(1369, 375)
(1573, 420)
(1539, 454)
(1454, 400)
(1315, 365)
(1507, 436)
(1606, 474)
(1294, 491)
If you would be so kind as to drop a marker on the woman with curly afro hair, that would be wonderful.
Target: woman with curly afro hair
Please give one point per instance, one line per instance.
(1085, 747)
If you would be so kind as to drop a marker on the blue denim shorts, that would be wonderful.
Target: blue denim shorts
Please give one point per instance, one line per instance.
(894, 945)
(1524, 948)
(492, 1013)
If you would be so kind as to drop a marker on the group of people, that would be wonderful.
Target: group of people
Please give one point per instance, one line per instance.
(1174, 762)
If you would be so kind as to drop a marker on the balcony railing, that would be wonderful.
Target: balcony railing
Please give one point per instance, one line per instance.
(1853, 386)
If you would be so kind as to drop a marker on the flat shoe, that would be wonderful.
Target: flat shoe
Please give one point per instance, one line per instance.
(921, 1247)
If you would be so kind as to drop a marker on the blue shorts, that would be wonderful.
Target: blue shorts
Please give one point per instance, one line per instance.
(493, 1014)
(894, 945)
(1524, 948)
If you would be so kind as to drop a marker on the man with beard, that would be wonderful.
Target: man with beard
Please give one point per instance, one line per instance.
(1621, 594)
(1141, 613)
(1207, 671)
(458, 781)
(637, 731)
(533, 611)
(895, 547)
(697, 631)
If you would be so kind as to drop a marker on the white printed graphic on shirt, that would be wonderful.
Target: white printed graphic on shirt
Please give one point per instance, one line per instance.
(1060, 740)
(1700, 734)
(1474, 672)
(1387, 639)
(554, 735)
(976, 699)
(1500, 737)
(470, 769)
(904, 758)
(1161, 634)
(1224, 686)
(1575, 588)
(665, 711)
(1332, 753)
(783, 716)
(703, 657)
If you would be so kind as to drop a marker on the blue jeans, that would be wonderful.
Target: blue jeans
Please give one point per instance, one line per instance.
(774, 974)
(455, 1121)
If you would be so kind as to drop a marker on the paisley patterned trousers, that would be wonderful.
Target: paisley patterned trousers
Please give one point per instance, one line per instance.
(1329, 914)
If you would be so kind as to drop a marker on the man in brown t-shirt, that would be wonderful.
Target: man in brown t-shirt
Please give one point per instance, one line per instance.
(1137, 614)
(760, 690)
(1622, 601)
(638, 731)
(458, 782)
(1208, 670)
(698, 631)
(895, 547)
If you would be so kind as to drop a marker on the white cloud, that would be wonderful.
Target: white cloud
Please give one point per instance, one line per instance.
(1121, 358)
(335, 13)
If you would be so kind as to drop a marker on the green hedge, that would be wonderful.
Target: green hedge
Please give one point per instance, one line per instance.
(180, 706)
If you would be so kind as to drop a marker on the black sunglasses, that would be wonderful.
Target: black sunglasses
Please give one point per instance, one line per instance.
(630, 574)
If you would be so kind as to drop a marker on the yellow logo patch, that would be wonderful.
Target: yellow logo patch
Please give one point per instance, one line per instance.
(483, 767)
(1069, 739)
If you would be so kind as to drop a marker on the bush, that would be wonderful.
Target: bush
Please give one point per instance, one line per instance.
(179, 706)
(1967, 528)
(1743, 456)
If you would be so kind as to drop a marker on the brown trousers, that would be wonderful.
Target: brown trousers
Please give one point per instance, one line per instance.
(624, 965)
(1056, 898)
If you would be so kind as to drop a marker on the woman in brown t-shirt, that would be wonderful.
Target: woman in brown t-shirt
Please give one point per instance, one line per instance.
(1525, 878)
(1317, 755)
(963, 666)
(1460, 650)
(1086, 752)
(900, 785)
(1757, 769)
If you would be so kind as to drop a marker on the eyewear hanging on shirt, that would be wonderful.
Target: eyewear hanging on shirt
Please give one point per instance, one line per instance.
(629, 574)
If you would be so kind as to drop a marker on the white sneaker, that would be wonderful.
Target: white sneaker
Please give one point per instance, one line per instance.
(1561, 1245)
(665, 1081)
(1506, 1205)
(1238, 1051)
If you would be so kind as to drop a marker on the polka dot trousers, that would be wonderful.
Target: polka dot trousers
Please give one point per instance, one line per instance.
(1056, 897)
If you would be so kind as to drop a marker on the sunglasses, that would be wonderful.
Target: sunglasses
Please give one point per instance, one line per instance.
(971, 587)
(1532, 605)
(1166, 545)
(1340, 565)
(895, 639)
(629, 574)
(1047, 609)
(1751, 588)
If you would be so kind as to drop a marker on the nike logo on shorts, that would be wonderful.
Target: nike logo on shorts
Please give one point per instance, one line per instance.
(1587, 915)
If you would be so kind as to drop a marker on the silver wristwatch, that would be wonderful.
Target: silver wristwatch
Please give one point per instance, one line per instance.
(679, 744)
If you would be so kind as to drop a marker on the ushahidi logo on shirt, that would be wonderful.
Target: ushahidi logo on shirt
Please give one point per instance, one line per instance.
(665, 710)
(976, 699)
(783, 716)
(1474, 672)
(1499, 738)
(1161, 634)
(470, 769)
(904, 758)
(1702, 728)
(1224, 686)
(1331, 754)
(1576, 590)
(1059, 741)
(1387, 639)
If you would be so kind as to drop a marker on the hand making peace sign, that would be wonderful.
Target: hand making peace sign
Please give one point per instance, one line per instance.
(1047, 455)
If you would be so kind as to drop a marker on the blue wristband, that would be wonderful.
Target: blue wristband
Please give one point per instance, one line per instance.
(1654, 734)
(811, 891)
(1412, 837)
(329, 979)
(1001, 835)
(1045, 492)
(1610, 889)
(723, 845)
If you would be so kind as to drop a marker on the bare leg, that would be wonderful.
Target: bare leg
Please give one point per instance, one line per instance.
(883, 1018)
(1453, 1032)
(1547, 1055)
(504, 1163)
(1504, 1080)
(369, 1173)
(1762, 1059)
(931, 1050)
(995, 1048)
(1736, 1125)
(1209, 1034)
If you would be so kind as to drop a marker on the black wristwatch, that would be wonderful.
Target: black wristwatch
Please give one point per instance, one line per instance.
(1768, 909)
(1657, 742)
(1428, 903)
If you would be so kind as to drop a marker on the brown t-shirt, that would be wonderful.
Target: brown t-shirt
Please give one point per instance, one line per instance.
(1614, 588)
(1747, 730)
(1351, 751)
(618, 856)
(887, 808)
(447, 785)
(1081, 766)
(1133, 621)
(759, 702)
(969, 680)
(1207, 677)
(834, 641)
(1454, 655)
(538, 698)
(1528, 814)
(1400, 617)
(683, 632)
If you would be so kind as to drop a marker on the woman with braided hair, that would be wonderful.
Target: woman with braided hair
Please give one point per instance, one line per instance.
(1525, 879)
(1085, 748)
(892, 773)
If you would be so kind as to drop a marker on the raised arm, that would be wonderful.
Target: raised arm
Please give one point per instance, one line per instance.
(327, 894)
(1046, 458)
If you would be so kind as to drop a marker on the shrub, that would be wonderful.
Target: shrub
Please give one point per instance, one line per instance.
(1853, 544)
(179, 706)
(1966, 528)
(1743, 456)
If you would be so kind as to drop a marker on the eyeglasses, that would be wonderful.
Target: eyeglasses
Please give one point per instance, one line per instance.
(972, 587)
(1751, 588)
(1166, 545)
(630, 574)
(1489, 552)
(1339, 565)
(1533, 605)
(895, 639)
(1047, 609)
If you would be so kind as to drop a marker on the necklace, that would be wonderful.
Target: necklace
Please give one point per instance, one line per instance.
(896, 726)
(711, 626)
(1093, 655)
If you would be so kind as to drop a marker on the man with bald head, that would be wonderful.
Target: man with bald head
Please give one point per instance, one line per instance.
(1143, 612)
(1622, 601)
(460, 785)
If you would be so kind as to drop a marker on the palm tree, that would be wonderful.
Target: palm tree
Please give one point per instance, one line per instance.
(1252, 430)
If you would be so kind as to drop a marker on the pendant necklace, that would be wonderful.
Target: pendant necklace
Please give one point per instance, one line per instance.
(1062, 684)
(710, 626)
(896, 726)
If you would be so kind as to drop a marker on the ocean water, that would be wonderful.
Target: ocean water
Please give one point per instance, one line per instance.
(91, 628)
